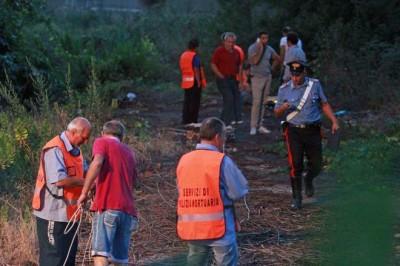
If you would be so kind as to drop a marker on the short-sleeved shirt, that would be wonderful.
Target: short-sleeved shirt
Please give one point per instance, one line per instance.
(54, 209)
(283, 42)
(114, 185)
(196, 61)
(227, 62)
(263, 69)
(294, 53)
(311, 111)
(233, 186)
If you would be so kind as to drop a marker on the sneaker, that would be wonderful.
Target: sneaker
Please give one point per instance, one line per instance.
(233, 123)
(264, 130)
(239, 122)
(196, 125)
(253, 131)
(229, 128)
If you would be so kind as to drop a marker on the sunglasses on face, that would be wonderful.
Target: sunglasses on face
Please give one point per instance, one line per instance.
(295, 73)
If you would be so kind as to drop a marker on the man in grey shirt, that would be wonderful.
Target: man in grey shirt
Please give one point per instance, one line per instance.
(260, 56)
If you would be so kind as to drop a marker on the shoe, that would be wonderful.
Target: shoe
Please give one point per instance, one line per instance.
(264, 130)
(229, 128)
(296, 204)
(233, 123)
(253, 131)
(239, 122)
(309, 187)
(196, 124)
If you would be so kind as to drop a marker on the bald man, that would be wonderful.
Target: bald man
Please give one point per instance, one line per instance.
(58, 186)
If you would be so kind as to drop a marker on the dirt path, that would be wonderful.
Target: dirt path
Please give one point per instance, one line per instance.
(272, 234)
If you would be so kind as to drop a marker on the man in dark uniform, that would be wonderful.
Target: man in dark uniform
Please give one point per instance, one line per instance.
(300, 101)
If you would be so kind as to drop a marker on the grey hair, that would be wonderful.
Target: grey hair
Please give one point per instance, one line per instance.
(114, 128)
(78, 123)
(228, 34)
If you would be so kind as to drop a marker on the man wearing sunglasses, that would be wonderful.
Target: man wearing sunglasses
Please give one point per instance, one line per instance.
(300, 102)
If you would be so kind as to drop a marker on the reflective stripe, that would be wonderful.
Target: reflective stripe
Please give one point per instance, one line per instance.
(188, 79)
(201, 217)
(50, 233)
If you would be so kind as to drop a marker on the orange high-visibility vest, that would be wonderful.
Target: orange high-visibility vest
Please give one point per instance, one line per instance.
(241, 56)
(187, 71)
(74, 166)
(200, 207)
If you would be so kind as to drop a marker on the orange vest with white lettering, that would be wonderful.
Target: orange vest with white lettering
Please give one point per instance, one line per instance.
(200, 207)
(187, 71)
(74, 167)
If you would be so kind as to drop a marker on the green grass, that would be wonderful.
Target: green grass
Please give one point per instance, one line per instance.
(360, 220)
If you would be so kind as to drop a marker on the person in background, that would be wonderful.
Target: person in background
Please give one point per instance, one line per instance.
(283, 47)
(294, 52)
(193, 81)
(300, 102)
(115, 218)
(208, 183)
(58, 186)
(260, 56)
(226, 65)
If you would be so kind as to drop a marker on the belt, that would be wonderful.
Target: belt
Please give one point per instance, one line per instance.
(312, 125)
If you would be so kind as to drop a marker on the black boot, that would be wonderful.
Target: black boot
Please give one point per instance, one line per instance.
(296, 193)
(309, 186)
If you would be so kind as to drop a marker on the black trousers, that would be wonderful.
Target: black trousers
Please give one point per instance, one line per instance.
(302, 142)
(191, 105)
(54, 244)
(231, 109)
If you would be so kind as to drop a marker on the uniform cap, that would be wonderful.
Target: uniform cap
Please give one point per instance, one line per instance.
(297, 66)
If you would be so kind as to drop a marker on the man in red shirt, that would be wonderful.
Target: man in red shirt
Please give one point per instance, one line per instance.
(114, 169)
(226, 64)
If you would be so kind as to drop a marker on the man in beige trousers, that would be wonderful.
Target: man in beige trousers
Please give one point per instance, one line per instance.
(260, 55)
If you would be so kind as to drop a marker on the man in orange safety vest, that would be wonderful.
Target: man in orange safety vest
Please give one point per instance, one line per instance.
(208, 182)
(193, 81)
(58, 186)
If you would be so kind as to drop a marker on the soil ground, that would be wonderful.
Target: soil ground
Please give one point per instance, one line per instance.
(272, 233)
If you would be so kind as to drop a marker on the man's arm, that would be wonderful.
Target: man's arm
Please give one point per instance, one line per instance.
(93, 172)
(56, 172)
(255, 56)
(196, 66)
(279, 111)
(241, 81)
(282, 52)
(197, 76)
(326, 108)
(70, 182)
(216, 71)
(235, 183)
(276, 61)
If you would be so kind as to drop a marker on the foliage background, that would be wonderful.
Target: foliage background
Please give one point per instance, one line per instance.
(59, 63)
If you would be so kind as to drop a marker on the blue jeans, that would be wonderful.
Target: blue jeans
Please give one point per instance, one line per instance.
(199, 255)
(231, 109)
(112, 232)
